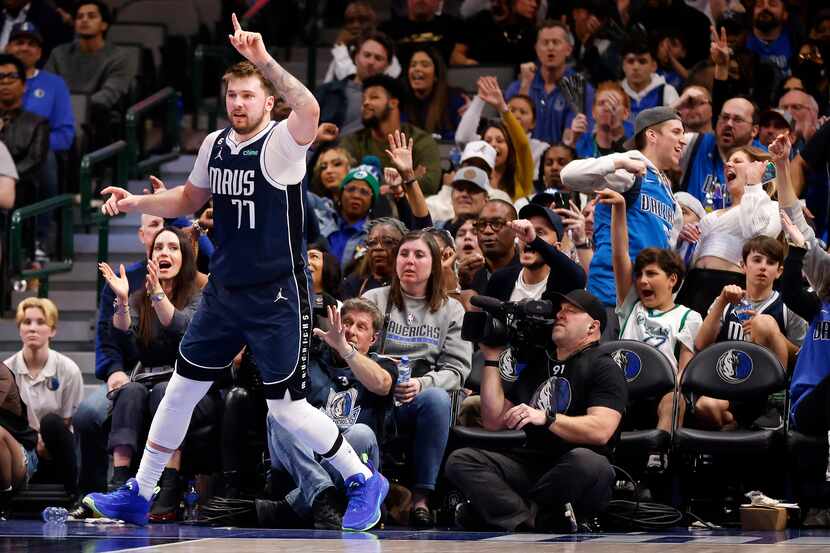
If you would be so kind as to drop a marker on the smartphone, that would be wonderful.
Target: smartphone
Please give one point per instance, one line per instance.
(561, 200)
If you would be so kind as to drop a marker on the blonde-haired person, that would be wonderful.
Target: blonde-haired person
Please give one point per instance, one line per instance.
(51, 387)
(331, 167)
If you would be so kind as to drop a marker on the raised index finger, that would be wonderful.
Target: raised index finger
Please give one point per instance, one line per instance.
(235, 21)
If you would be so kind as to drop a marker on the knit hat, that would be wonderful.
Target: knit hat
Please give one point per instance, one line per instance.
(366, 174)
(687, 200)
(649, 118)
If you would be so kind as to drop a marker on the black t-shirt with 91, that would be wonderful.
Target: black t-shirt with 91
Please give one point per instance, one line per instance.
(584, 380)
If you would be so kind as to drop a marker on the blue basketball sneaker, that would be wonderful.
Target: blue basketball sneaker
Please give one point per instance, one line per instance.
(125, 504)
(365, 499)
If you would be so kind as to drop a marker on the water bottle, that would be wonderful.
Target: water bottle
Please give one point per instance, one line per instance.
(404, 373)
(55, 515)
(742, 310)
(191, 502)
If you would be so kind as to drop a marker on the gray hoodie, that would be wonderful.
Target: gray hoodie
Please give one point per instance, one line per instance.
(440, 358)
(816, 260)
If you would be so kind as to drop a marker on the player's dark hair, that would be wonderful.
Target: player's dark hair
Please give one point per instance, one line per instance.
(245, 69)
(436, 297)
(668, 261)
(103, 9)
(184, 287)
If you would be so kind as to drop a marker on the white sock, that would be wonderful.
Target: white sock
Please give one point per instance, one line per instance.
(168, 428)
(149, 471)
(318, 432)
(344, 458)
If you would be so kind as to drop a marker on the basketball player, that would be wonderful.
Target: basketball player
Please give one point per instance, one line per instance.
(258, 293)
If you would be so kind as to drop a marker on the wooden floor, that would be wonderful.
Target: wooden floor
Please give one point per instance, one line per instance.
(214, 545)
(78, 537)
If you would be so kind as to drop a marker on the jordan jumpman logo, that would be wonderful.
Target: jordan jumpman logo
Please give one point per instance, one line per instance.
(280, 296)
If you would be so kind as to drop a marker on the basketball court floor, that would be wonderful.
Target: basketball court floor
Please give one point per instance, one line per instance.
(79, 537)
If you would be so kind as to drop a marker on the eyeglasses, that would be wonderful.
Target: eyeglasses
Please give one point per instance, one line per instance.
(496, 224)
(359, 190)
(15, 76)
(734, 118)
(385, 243)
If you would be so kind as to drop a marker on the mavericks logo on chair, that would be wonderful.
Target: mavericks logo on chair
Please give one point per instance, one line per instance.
(734, 366)
(629, 362)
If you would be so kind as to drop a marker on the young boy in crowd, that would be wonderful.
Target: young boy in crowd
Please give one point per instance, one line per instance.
(645, 302)
(644, 86)
(755, 314)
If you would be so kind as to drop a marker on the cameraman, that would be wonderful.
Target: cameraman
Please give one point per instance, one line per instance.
(568, 440)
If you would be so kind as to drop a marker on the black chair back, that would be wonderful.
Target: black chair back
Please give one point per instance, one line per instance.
(734, 370)
(648, 373)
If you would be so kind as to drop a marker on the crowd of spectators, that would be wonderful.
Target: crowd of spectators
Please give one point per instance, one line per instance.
(657, 170)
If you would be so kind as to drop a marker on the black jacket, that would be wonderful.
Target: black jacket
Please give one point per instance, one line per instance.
(26, 135)
(565, 275)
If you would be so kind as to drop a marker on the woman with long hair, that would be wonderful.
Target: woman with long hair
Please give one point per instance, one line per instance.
(147, 326)
(51, 386)
(332, 166)
(424, 324)
(432, 104)
(721, 234)
(514, 170)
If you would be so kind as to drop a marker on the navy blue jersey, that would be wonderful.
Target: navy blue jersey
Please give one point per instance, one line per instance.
(732, 329)
(257, 205)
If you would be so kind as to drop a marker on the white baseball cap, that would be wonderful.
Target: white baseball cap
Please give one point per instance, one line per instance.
(480, 149)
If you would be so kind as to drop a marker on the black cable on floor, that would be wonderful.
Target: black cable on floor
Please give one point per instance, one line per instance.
(641, 514)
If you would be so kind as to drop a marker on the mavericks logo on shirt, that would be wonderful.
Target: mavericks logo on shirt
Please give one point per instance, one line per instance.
(654, 334)
(555, 391)
(342, 408)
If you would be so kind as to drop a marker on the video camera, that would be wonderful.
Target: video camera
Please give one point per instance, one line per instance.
(522, 324)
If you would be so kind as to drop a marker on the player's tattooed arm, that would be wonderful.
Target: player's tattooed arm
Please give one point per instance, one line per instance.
(295, 93)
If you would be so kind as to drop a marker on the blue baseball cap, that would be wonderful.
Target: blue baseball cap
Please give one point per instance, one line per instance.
(26, 29)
